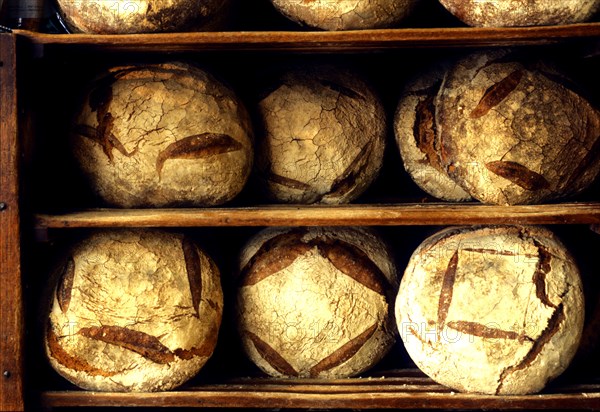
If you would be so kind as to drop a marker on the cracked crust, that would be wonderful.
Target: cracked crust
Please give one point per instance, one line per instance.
(163, 135)
(514, 131)
(347, 14)
(493, 13)
(143, 313)
(324, 137)
(417, 137)
(322, 309)
(141, 16)
(494, 310)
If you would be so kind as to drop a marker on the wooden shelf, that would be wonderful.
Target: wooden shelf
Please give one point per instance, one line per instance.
(408, 390)
(318, 40)
(356, 214)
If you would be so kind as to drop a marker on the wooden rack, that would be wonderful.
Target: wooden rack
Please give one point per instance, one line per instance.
(404, 389)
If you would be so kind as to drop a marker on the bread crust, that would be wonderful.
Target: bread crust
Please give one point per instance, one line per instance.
(494, 310)
(492, 13)
(516, 131)
(417, 138)
(324, 136)
(163, 135)
(316, 302)
(133, 311)
(141, 16)
(346, 15)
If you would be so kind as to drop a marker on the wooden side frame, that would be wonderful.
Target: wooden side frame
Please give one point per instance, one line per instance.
(11, 306)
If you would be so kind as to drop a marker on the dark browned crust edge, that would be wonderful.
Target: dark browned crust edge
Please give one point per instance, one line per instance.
(271, 356)
(447, 291)
(496, 93)
(518, 174)
(344, 353)
(65, 285)
(198, 146)
(193, 268)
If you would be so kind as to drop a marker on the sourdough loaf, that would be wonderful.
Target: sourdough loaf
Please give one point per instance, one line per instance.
(495, 310)
(324, 136)
(499, 13)
(415, 130)
(141, 16)
(515, 130)
(347, 14)
(316, 302)
(163, 135)
(133, 310)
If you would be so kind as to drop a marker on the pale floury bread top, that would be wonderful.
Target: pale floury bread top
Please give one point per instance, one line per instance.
(415, 130)
(316, 302)
(346, 14)
(499, 13)
(162, 135)
(140, 16)
(495, 310)
(514, 129)
(323, 134)
(133, 310)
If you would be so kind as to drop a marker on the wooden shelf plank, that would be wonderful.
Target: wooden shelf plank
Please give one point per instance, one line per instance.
(325, 395)
(320, 40)
(343, 215)
(400, 388)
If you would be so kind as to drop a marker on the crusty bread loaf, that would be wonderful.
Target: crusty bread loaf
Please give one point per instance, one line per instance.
(514, 130)
(133, 310)
(142, 16)
(495, 310)
(163, 135)
(347, 14)
(324, 136)
(316, 302)
(415, 130)
(495, 13)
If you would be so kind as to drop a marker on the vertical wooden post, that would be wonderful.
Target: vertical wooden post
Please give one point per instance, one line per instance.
(11, 309)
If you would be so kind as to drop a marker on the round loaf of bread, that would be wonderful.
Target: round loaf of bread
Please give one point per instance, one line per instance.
(514, 131)
(133, 311)
(494, 13)
(324, 136)
(347, 14)
(493, 310)
(416, 136)
(163, 135)
(140, 16)
(316, 302)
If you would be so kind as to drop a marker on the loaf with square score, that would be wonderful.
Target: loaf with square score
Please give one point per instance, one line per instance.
(496, 310)
(316, 302)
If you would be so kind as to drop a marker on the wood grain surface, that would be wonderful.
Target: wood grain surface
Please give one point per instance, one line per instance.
(11, 322)
(343, 215)
(320, 40)
(402, 389)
